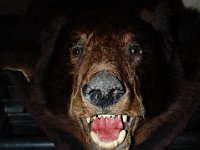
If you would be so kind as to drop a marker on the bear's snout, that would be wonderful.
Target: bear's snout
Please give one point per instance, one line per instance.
(104, 89)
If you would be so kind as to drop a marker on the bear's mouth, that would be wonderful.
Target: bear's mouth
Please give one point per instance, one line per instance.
(110, 132)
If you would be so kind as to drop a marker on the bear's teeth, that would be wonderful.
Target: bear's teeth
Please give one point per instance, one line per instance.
(124, 117)
(99, 116)
(121, 137)
(110, 144)
(106, 116)
(88, 120)
(95, 138)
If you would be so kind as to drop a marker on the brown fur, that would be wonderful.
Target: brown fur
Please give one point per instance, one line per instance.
(159, 95)
(114, 57)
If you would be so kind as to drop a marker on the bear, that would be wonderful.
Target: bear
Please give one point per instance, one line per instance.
(111, 79)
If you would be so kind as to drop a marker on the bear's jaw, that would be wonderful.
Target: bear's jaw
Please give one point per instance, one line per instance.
(112, 132)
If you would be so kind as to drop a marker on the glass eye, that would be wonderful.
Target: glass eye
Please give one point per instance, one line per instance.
(135, 50)
(77, 51)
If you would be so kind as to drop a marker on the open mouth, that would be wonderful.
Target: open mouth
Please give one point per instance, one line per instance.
(110, 132)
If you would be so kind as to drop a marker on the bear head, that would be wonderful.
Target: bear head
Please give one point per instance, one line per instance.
(107, 76)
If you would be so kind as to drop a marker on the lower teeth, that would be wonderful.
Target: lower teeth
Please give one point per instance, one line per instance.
(108, 145)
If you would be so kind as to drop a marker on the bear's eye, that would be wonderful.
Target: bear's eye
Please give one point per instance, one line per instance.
(135, 49)
(77, 51)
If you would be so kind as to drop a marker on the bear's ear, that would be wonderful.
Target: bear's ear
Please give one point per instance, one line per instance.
(159, 17)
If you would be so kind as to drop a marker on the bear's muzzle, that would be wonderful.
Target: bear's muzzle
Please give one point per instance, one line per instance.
(104, 90)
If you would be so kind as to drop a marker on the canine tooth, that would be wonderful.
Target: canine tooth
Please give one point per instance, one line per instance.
(88, 120)
(121, 137)
(124, 117)
(95, 138)
(119, 116)
(94, 117)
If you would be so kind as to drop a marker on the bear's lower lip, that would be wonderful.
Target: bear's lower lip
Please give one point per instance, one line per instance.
(109, 131)
(108, 144)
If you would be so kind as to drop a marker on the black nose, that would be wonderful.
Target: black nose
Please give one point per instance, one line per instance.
(103, 90)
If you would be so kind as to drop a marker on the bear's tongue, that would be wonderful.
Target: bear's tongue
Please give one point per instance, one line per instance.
(107, 129)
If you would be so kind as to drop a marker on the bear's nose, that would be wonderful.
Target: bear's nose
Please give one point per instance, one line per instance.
(103, 90)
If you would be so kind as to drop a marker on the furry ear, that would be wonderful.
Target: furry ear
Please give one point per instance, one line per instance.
(159, 18)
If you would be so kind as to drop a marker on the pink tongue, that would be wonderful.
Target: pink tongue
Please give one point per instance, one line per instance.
(107, 129)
